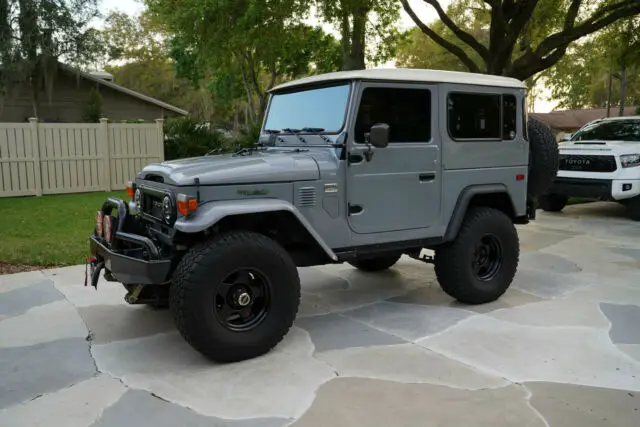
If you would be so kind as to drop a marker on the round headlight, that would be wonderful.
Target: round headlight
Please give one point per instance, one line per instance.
(138, 199)
(167, 208)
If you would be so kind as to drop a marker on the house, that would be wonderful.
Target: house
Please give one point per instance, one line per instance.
(69, 97)
(568, 121)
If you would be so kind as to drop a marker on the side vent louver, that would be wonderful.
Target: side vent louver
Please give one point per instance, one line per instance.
(306, 197)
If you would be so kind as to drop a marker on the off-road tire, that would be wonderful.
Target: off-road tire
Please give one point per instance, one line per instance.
(379, 263)
(633, 205)
(543, 158)
(453, 261)
(552, 202)
(205, 266)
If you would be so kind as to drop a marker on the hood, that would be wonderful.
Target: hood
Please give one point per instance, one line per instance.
(618, 147)
(277, 166)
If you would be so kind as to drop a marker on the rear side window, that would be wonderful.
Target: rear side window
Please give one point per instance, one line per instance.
(509, 117)
(406, 111)
(482, 116)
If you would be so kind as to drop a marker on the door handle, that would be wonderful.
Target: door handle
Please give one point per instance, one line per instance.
(427, 177)
(355, 159)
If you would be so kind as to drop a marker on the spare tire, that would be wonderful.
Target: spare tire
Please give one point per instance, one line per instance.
(543, 157)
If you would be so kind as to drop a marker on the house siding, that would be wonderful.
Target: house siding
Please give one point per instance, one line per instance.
(68, 101)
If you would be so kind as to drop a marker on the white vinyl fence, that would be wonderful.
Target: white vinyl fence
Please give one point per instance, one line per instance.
(54, 158)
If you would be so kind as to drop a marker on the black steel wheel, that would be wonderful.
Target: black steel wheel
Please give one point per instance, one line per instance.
(487, 258)
(242, 301)
(479, 265)
(235, 296)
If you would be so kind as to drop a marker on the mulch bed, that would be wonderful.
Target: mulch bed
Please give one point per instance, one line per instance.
(6, 268)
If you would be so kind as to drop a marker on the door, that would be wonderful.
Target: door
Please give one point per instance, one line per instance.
(397, 187)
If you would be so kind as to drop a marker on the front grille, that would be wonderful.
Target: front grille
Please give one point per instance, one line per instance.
(587, 163)
(152, 205)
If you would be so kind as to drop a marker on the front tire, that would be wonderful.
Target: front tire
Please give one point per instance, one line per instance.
(633, 205)
(235, 297)
(479, 265)
(552, 202)
(378, 263)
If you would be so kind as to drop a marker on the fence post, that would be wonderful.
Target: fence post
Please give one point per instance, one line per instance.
(106, 152)
(35, 146)
(160, 132)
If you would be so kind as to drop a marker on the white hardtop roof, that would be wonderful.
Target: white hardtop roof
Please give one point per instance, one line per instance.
(414, 75)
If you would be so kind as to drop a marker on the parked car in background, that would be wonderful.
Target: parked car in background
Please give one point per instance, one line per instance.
(600, 162)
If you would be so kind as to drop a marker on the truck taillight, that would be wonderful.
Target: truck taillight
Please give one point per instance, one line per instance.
(109, 222)
(99, 223)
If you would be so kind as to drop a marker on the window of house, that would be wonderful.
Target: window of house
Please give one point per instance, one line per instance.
(406, 111)
(474, 116)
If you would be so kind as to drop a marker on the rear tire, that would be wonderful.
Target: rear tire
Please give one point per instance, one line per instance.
(234, 297)
(552, 202)
(379, 263)
(479, 265)
(633, 205)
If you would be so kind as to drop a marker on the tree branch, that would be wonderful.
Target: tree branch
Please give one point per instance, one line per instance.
(591, 25)
(459, 32)
(456, 50)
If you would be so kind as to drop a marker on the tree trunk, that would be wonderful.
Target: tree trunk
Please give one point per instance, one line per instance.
(623, 90)
(353, 39)
(609, 90)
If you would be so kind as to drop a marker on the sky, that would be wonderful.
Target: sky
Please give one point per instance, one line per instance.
(424, 12)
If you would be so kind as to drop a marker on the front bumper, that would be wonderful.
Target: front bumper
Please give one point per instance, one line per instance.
(130, 258)
(129, 270)
(582, 188)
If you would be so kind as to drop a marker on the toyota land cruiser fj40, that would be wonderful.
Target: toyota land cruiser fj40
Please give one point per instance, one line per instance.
(359, 167)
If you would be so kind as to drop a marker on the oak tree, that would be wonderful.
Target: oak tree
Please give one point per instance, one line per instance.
(525, 37)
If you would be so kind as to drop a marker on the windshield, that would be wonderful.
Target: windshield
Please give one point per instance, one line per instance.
(322, 110)
(614, 130)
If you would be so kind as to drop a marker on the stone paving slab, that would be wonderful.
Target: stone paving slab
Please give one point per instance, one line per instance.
(560, 348)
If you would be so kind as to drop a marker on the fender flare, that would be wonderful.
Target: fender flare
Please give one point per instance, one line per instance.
(462, 204)
(211, 213)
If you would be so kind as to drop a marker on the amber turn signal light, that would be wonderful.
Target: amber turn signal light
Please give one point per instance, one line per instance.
(187, 204)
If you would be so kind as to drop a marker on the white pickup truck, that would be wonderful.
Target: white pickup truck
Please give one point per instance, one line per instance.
(602, 162)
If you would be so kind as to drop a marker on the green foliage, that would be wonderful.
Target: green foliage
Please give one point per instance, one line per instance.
(186, 137)
(239, 49)
(142, 50)
(581, 78)
(93, 109)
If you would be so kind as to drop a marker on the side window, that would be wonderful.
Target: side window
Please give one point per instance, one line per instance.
(525, 128)
(474, 116)
(406, 111)
(509, 117)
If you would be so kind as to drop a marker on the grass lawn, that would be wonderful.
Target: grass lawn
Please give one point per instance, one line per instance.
(48, 230)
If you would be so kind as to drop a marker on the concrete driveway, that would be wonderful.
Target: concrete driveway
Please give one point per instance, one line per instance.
(561, 348)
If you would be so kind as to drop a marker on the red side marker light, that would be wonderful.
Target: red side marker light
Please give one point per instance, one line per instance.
(520, 177)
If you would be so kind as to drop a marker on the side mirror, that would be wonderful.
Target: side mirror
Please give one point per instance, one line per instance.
(379, 136)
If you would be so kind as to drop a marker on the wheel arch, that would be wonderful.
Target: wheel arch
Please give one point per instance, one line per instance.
(276, 218)
(488, 195)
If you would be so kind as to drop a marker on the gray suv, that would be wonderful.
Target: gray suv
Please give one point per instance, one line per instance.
(358, 167)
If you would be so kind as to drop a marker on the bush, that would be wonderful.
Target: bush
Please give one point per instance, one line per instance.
(93, 109)
(186, 137)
